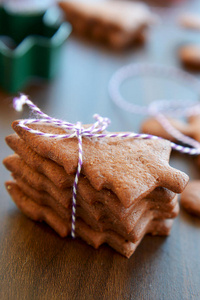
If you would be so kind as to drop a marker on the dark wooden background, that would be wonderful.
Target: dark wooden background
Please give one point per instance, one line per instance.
(37, 264)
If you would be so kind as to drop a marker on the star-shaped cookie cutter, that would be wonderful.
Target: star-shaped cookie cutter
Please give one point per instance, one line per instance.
(30, 45)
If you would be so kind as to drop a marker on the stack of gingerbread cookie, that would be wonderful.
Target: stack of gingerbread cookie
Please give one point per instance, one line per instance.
(126, 188)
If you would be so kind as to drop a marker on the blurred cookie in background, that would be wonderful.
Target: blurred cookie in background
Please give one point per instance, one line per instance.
(189, 56)
(190, 198)
(190, 21)
(118, 24)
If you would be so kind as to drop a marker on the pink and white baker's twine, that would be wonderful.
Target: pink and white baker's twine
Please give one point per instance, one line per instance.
(77, 130)
(160, 109)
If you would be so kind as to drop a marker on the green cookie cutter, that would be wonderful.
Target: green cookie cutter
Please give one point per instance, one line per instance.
(30, 45)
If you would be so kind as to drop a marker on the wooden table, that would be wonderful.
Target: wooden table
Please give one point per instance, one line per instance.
(37, 264)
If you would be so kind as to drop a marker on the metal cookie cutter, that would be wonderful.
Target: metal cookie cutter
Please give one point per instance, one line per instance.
(30, 45)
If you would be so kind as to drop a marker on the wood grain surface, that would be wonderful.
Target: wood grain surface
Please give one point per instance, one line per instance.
(37, 264)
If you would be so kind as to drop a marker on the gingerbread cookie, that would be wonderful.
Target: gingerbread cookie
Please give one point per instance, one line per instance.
(190, 129)
(116, 23)
(189, 56)
(190, 198)
(152, 126)
(190, 21)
